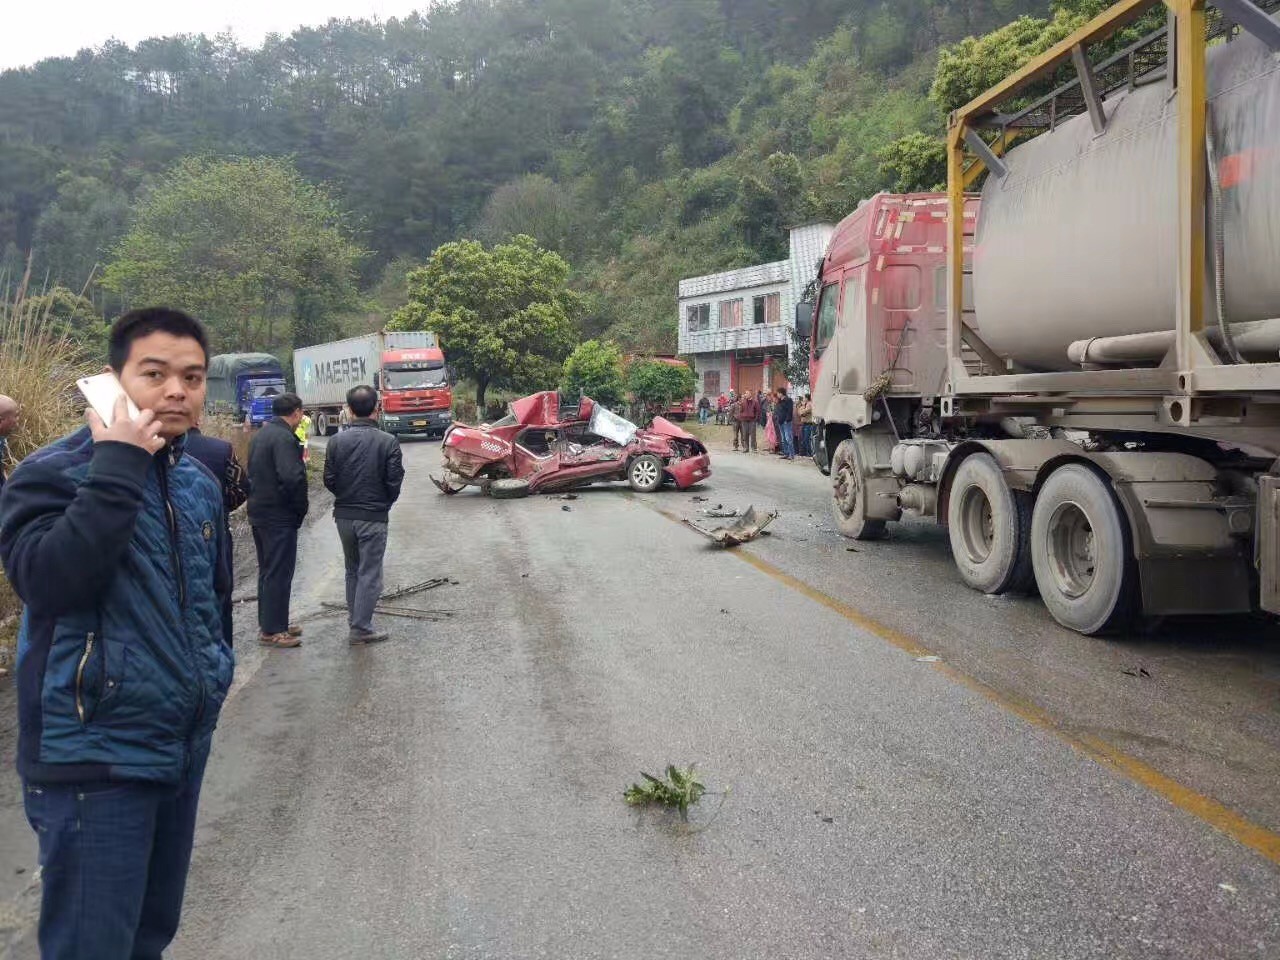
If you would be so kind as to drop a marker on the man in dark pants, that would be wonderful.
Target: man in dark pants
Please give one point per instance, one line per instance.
(112, 537)
(748, 412)
(277, 507)
(783, 414)
(363, 468)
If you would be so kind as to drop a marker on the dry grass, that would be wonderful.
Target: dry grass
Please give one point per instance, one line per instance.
(38, 369)
(234, 433)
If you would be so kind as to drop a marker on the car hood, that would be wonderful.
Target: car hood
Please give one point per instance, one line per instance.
(665, 428)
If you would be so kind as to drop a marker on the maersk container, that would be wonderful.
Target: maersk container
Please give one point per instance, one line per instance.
(325, 372)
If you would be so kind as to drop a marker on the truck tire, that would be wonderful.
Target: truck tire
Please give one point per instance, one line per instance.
(990, 527)
(645, 473)
(508, 489)
(1080, 549)
(849, 495)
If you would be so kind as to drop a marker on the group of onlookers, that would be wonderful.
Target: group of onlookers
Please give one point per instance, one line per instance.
(774, 421)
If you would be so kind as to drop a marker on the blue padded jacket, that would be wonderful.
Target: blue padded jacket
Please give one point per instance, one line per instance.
(124, 655)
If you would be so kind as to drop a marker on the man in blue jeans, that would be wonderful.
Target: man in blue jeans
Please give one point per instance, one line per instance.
(115, 540)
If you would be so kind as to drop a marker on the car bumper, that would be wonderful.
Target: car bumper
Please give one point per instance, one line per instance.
(419, 421)
(689, 471)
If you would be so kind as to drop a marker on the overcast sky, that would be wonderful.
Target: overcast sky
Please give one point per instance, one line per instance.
(35, 29)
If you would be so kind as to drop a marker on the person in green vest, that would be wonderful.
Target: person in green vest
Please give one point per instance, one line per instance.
(303, 431)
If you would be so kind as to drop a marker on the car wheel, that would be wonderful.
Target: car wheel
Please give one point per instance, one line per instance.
(1080, 550)
(990, 528)
(508, 489)
(849, 496)
(645, 473)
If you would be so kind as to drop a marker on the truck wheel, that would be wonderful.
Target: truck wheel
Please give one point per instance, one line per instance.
(645, 474)
(849, 495)
(508, 489)
(990, 527)
(1080, 550)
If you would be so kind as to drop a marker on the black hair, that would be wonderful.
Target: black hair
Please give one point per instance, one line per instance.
(142, 323)
(362, 400)
(285, 404)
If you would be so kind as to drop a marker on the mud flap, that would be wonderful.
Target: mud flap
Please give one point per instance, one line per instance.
(1268, 559)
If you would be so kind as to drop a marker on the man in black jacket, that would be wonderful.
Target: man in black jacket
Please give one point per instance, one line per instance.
(277, 506)
(783, 414)
(363, 469)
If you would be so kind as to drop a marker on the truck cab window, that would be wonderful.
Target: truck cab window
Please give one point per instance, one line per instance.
(827, 316)
(415, 379)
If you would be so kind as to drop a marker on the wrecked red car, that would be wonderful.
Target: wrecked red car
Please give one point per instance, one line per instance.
(542, 447)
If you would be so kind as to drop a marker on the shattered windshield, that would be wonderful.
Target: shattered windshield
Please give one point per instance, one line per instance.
(609, 425)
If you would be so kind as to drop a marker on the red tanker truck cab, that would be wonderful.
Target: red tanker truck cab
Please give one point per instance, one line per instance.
(882, 307)
(416, 395)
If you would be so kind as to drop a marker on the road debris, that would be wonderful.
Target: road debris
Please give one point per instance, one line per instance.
(566, 508)
(928, 659)
(447, 487)
(1140, 672)
(719, 512)
(699, 499)
(1227, 887)
(418, 588)
(408, 613)
(744, 529)
(680, 789)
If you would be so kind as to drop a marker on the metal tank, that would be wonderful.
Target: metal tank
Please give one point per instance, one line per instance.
(1079, 239)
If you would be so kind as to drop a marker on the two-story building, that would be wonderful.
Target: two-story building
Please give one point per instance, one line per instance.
(735, 327)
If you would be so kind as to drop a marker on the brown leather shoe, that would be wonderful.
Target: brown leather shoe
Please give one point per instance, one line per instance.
(278, 640)
(294, 630)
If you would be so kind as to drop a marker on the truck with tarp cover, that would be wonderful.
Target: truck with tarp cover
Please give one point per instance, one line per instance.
(243, 386)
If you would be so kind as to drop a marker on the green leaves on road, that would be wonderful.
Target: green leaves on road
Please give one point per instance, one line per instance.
(681, 789)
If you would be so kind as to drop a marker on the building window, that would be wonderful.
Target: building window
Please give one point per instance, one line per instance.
(698, 316)
(767, 308)
(730, 313)
(711, 383)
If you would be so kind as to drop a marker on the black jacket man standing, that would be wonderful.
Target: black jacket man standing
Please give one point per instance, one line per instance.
(277, 507)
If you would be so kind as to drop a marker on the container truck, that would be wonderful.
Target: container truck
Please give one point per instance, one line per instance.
(407, 369)
(243, 386)
(1075, 369)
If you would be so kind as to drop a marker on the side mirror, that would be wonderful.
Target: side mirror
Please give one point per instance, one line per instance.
(804, 319)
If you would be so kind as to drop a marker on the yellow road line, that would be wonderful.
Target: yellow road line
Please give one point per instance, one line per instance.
(1222, 818)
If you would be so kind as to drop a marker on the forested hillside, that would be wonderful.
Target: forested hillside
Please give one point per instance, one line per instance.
(644, 140)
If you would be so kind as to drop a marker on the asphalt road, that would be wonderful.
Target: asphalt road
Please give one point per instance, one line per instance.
(457, 791)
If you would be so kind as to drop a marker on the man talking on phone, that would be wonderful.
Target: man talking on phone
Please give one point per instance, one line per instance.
(113, 538)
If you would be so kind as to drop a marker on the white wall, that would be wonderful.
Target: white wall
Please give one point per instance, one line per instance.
(713, 361)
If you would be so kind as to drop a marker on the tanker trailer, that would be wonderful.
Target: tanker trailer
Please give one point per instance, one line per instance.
(1087, 394)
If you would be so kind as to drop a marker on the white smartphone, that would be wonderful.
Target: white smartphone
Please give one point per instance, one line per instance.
(102, 391)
